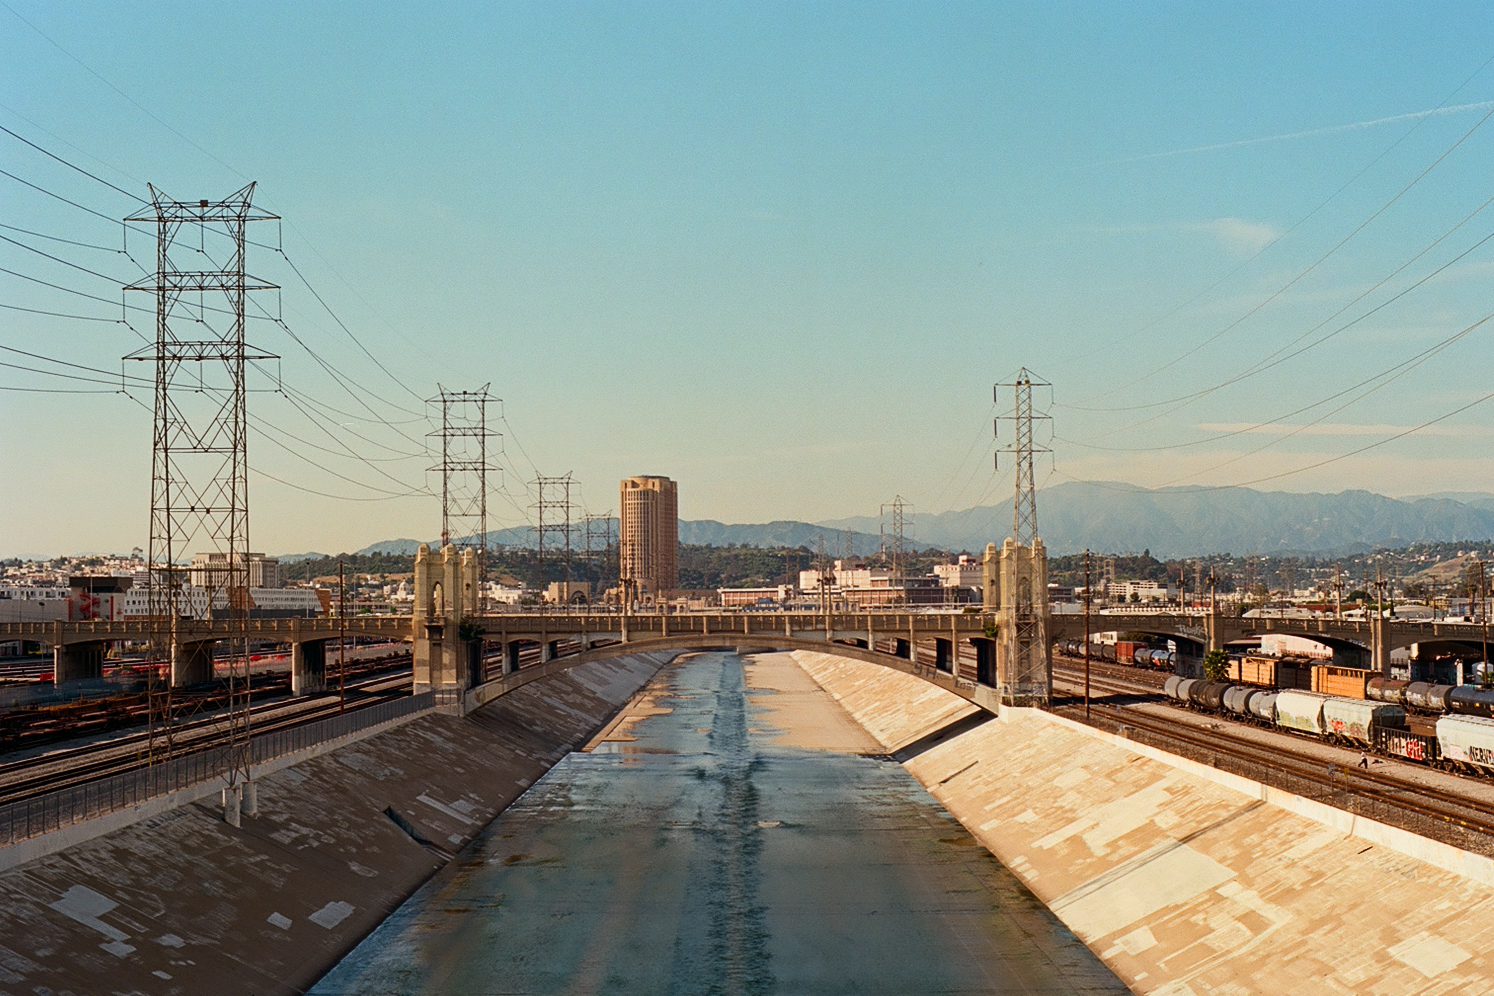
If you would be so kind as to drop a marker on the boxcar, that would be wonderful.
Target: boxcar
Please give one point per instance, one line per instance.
(1354, 718)
(1334, 680)
(1299, 710)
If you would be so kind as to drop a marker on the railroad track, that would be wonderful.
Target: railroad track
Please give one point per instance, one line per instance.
(23, 778)
(1334, 782)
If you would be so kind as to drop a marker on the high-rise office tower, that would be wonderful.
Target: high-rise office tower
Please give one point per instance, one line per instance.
(649, 535)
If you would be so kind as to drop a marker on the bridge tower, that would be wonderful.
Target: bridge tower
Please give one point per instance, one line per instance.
(1024, 654)
(447, 656)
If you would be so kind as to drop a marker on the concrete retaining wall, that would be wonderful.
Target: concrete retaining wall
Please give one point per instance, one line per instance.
(179, 902)
(1186, 883)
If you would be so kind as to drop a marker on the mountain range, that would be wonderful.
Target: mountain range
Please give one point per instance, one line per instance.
(1073, 516)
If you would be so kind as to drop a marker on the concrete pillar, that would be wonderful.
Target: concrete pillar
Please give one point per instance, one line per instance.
(991, 571)
(308, 667)
(1381, 652)
(192, 663)
(233, 801)
(250, 805)
(77, 662)
(421, 620)
(1213, 626)
(547, 651)
(1024, 660)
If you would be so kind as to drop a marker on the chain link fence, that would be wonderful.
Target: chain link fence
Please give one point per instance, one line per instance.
(51, 811)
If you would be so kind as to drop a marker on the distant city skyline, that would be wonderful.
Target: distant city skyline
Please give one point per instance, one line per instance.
(777, 253)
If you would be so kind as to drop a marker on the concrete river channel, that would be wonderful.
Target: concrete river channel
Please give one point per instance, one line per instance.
(733, 832)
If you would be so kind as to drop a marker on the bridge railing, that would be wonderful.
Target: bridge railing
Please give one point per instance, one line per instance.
(50, 811)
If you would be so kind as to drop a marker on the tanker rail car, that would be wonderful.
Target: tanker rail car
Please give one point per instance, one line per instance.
(1462, 742)
(1424, 696)
(1124, 652)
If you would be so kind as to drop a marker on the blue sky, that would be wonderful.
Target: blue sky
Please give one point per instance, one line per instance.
(779, 252)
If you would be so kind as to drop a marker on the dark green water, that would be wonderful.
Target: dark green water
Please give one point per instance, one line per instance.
(705, 859)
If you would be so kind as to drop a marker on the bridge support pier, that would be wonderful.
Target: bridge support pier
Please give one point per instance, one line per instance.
(192, 663)
(445, 595)
(77, 662)
(308, 667)
(1024, 664)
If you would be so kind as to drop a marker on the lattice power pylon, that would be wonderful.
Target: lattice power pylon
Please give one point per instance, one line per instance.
(600, 532)
(553, 506)
(1024, 665)
(894, 547)
(464, 468)
(1024, 503)
(199, 501)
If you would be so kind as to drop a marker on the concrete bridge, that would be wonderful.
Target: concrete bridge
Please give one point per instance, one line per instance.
(1363, 643)
(1001, 652)
(477, 649)
(954, 649)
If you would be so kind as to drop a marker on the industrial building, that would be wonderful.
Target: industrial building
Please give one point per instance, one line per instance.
(649, 536)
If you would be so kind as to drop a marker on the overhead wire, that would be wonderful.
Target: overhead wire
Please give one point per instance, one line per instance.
(1302, 274)
(1300, 221)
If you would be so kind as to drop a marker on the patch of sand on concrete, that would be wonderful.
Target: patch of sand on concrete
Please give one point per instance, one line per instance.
(805, 715)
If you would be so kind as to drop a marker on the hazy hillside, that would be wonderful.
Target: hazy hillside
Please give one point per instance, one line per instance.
(1170, 522)
(1181, 521)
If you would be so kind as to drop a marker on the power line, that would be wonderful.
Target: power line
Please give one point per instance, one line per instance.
(1302, 274)
(69, 165)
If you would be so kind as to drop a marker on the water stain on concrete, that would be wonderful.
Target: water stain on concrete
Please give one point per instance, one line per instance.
(736, 842)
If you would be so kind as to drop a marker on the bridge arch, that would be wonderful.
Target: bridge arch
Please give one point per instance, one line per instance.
(977, 693)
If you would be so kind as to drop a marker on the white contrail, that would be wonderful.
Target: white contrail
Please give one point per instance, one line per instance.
(1482, 105)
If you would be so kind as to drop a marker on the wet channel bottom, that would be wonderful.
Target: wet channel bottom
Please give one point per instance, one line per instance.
(703, 857)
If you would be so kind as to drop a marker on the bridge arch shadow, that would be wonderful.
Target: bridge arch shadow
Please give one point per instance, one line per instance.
(977, 693)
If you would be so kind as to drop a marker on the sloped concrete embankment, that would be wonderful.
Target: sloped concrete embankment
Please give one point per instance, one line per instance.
(1185, 883)
(182, 903)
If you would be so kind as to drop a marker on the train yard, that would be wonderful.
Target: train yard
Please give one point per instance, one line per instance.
(53, 746)
(1444, 805)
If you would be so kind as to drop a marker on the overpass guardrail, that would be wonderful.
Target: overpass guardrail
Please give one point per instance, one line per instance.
(51, 811)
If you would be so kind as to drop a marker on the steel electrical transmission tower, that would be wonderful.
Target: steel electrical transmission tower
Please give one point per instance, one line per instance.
(898, 552)
(464, 470)
(1024, 504)
(1024, 665)
(601, 549)
(554, 515)
(199, 497)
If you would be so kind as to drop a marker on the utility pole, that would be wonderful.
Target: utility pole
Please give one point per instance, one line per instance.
(464, 470)
(199, 459)
(1483, 613)
(1338, 591)
(342, 636)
